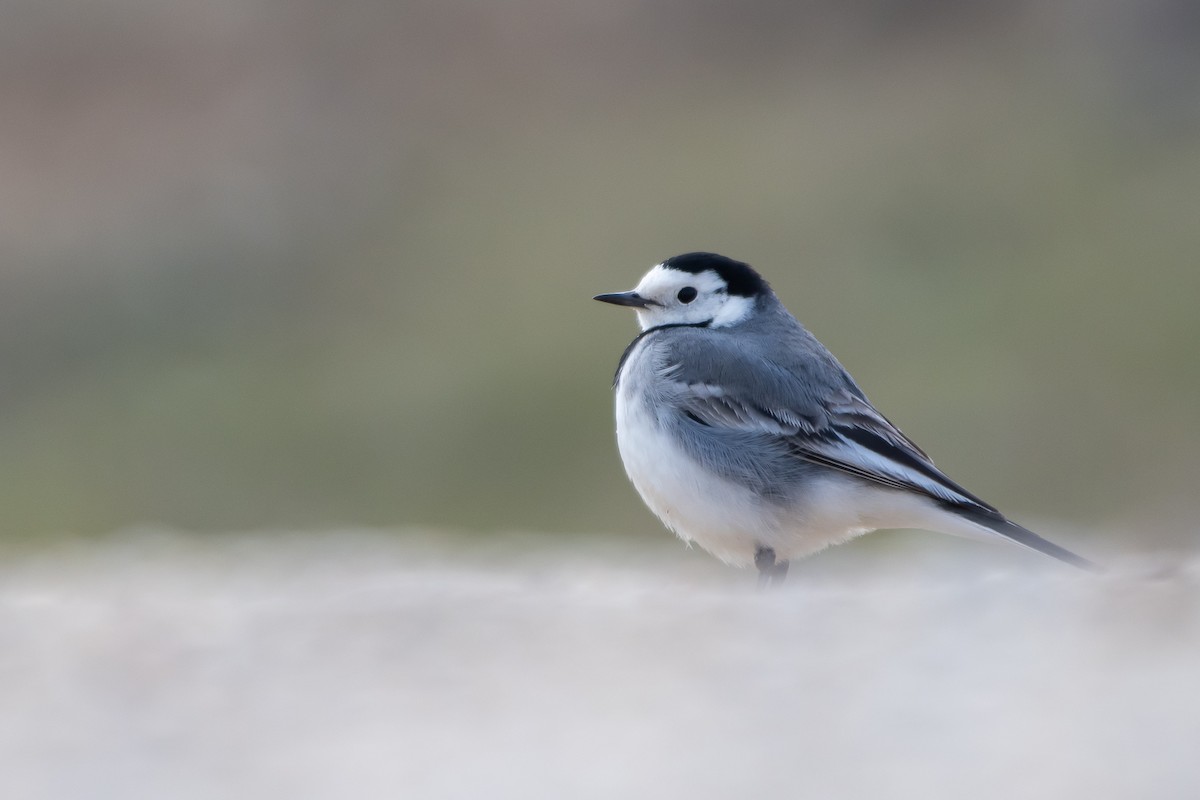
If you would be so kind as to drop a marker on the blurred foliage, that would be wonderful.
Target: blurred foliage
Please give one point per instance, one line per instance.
(300, 264)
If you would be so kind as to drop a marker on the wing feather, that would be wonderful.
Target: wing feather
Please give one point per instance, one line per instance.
(847, 434)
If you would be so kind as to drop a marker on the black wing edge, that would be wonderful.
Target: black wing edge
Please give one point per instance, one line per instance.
(1022, 536)
(878, 444)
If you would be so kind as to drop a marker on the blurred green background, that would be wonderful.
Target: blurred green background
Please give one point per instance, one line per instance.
(303, 264)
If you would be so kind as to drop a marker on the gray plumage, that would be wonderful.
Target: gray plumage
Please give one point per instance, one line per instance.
(738, 397)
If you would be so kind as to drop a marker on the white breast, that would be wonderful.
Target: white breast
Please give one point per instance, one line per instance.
(725, 519)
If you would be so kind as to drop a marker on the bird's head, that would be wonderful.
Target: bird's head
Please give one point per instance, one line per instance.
(694, 289)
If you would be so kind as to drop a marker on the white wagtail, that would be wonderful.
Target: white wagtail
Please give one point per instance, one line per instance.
(744, 434)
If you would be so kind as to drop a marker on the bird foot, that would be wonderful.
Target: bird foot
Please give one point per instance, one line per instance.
(770, 571)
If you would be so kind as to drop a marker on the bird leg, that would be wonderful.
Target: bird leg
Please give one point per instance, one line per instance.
(770, 571)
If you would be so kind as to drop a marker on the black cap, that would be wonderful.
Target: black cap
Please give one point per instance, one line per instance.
(741, 278)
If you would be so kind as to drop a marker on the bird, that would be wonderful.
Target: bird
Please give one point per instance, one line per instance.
(744, 434)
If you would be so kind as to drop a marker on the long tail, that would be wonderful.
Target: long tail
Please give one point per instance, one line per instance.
(1022, 536)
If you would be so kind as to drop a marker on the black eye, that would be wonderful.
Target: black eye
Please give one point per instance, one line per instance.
(687, 294)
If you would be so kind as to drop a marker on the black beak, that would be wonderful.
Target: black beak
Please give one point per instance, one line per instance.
(632, 299)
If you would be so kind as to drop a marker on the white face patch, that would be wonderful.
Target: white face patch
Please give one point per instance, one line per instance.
(711, 301)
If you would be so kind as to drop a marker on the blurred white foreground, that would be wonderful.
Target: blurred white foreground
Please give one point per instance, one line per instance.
(375, 665)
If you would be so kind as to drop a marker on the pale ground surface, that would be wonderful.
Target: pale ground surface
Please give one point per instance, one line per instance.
(370, 665)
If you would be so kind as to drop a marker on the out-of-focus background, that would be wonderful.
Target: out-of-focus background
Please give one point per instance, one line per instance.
(320, 267)
(294, 264)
